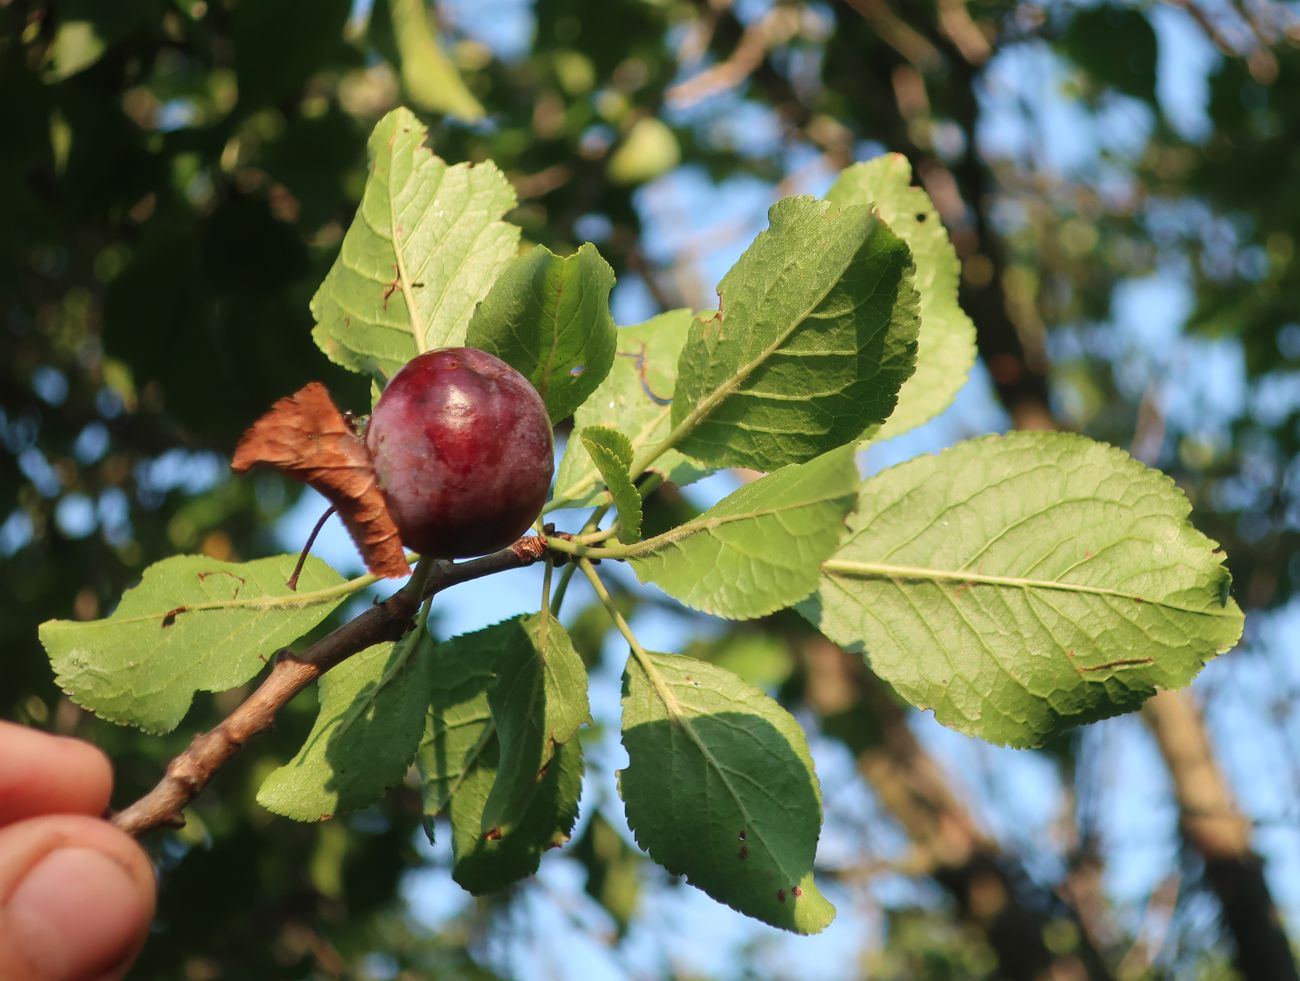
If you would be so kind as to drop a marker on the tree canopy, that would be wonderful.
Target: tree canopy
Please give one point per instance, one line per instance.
(179, 177)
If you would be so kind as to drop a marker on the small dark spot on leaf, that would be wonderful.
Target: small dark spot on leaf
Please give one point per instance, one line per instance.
(780, 895)
(577, 370)
(1087, 553)
(1069, 653)
(797, 892)
(742, 836)
(325, 817)
(493, 835)
(920, 216)
(170, 616)
(744, 852)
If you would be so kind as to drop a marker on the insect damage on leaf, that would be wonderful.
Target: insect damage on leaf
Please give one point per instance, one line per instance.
(306, 437)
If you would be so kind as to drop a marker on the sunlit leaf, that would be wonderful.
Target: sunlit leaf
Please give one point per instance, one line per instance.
(815, 334)
(760, 548)
(424, 248)
(946, 345)
(1020, 585)
(611, 451)
(636, 396)
(192, 624)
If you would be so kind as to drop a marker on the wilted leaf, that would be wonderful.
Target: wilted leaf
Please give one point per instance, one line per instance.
(306, 437)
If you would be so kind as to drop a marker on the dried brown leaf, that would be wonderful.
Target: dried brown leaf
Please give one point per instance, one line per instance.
(306, 437)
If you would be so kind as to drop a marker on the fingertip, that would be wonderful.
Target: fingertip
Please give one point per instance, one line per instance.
(78, 896)
(42, 773)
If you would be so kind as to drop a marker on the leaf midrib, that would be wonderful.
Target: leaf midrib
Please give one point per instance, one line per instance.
(694, 527)
(265, 602)
(705, 406)
(677, 716)
(880, 570)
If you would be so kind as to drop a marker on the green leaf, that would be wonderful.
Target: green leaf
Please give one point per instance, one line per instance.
(458, 762)
(946, 345)
(1019, 585)
(815, 334)
(538, 703)
(548, 318)
(637, 395)
(486, 863)
(611, 451)
(372, 712)
(192, 624)
(425, 247)
(759, 549)
(429, 77)
(720, 788)
(459, 729)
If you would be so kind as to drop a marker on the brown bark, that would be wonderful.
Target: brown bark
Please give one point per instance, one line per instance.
(1215, 828)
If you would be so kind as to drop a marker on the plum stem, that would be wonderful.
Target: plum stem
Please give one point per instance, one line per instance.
(306, 549)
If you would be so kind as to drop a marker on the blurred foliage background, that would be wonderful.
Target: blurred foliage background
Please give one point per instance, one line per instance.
(1119, 181)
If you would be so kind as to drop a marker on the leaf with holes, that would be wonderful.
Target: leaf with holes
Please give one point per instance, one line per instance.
(371, 718)
(815, 334)
(637, 395)
(425, 247)
(548, 318)
(488, 861)
(720, 788)
(611, 451)
(946, 344)
(192, 624)
(1019, 585)
(759, 549)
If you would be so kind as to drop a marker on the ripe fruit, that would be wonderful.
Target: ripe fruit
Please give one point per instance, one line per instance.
(462, 449)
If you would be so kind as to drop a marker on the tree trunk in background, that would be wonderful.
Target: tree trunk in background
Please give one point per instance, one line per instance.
(987, 885)
(1210, 821)
(1214, 826)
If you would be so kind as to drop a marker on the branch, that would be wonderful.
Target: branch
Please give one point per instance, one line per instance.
(190, 772)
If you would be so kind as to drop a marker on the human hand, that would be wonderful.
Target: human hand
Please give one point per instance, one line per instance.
(76, 894)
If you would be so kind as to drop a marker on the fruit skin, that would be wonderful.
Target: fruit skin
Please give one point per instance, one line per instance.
(463, 452)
